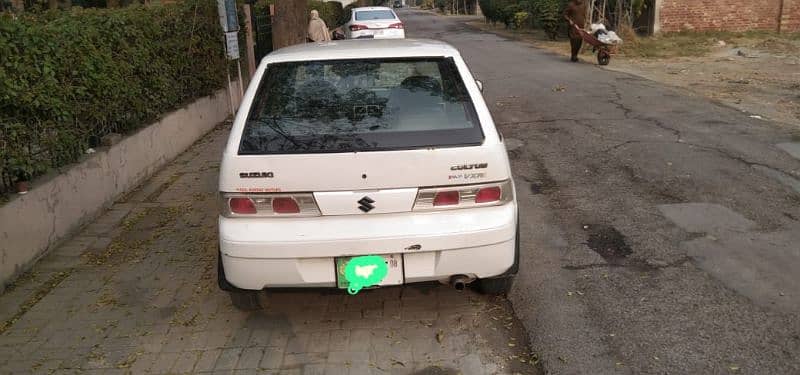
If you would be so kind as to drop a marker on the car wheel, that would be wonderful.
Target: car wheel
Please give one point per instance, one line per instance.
(245, 300)
(496, 286)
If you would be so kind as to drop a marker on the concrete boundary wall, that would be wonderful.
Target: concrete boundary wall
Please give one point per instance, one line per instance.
(58, 205)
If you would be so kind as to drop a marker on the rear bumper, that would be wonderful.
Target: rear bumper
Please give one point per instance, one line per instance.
(257, 254)
(379, 34)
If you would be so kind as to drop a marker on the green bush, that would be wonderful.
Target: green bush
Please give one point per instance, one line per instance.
(549, 16)
(69, 78)
(337, 12)
(508, 12)
(520, 18)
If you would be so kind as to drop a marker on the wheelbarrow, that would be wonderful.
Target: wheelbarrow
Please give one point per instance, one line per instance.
(604, 50)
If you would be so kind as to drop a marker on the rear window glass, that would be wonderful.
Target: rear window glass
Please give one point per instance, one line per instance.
(360, 105)
(367, 15)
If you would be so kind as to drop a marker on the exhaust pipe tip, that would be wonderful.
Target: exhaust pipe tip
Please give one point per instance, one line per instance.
(459, 282)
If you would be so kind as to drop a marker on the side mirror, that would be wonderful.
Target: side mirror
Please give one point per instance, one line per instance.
(480, 85)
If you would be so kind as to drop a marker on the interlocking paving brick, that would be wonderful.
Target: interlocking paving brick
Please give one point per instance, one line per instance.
(207, 360)
(272, 359)
(228, 358)
(164, 362)
(185, 362)
(143, 363)
(348, 357)
(301, 359)
(250, 359)
(153, 306)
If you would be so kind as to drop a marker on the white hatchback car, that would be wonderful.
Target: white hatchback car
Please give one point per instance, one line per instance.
(374, 23)
(354, 148)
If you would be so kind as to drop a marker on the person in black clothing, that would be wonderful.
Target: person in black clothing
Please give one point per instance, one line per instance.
(575, 14)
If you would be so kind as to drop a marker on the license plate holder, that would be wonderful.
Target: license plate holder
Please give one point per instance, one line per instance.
(394, 276)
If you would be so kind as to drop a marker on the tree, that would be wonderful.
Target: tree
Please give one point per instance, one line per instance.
(290, 23)
(18, 5)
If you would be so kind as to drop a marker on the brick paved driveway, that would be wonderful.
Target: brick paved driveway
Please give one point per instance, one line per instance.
(135, 292)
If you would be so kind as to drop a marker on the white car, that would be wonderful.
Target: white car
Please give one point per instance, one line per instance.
(357, 148)
(374, 23)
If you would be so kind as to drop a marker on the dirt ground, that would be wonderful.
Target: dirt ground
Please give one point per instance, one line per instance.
(757, 73)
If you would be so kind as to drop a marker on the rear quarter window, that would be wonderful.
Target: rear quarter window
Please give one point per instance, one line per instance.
(360, 105)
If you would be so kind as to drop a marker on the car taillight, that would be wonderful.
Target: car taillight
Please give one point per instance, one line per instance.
(358, 27)
(464, 196)
(285, 205)
(398, 25)
(488, 194)
(242, 206)
(446, 198)
(266, 205)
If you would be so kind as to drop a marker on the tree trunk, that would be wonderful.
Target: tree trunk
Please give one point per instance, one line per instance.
(290, 23)
(52, 4)
(18, 5)
(112, 3)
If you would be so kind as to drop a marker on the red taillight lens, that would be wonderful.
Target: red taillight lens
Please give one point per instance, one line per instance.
(242, 206)
(446, 198)
(285, 205)
(464, 196)
(488, 194)
(358, 27)
(398, 25)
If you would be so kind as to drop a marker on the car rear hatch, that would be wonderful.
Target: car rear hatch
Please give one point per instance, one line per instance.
(363, 137)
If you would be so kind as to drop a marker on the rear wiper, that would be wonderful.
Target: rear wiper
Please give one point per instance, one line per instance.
(273, 124)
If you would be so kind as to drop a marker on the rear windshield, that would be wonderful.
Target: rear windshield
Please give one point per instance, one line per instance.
(360, 105)
(367, 15)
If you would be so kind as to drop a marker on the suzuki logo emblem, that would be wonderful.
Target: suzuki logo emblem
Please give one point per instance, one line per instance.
(365, 204)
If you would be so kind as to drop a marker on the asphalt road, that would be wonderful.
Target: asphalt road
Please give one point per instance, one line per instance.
(660, 229)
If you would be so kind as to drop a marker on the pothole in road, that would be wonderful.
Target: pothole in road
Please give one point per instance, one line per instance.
(608, 242)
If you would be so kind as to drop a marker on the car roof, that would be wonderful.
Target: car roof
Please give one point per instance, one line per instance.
(371, 8)
(363, 49)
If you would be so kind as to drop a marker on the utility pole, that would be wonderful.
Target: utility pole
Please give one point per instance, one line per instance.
(289, 23)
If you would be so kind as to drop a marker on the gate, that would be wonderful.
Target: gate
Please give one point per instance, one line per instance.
(262, 27)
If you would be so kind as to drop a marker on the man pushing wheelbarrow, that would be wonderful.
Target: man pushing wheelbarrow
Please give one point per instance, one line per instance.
(603, 42)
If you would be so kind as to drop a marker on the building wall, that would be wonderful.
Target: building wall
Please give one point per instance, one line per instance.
(790, 20)
(728, 15)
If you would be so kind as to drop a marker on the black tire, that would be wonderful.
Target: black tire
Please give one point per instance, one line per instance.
(603, 57)
(496, 286)
(245, 300)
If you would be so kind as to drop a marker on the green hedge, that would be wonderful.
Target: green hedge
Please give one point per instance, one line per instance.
(69, 78)
(544, 14)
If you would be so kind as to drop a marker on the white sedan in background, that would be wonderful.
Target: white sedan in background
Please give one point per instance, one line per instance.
(374, 23)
